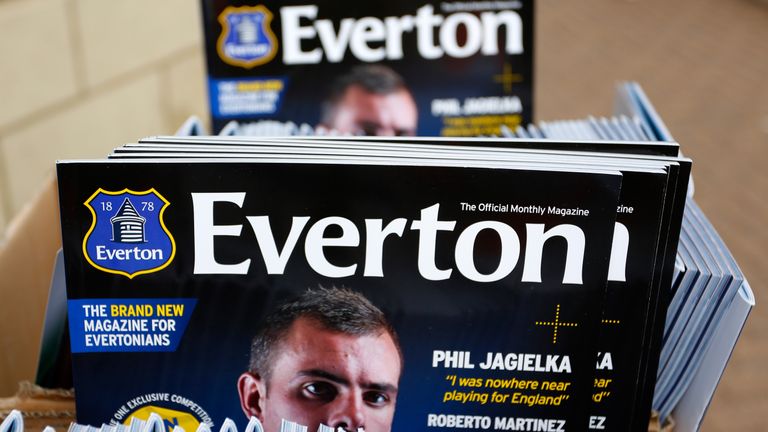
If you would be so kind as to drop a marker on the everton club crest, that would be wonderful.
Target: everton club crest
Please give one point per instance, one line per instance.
(128, 235)
(246, 39)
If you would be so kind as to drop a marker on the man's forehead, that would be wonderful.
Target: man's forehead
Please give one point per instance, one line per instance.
(311, 331)
(308, 341)
(383, 108)
(362, 95)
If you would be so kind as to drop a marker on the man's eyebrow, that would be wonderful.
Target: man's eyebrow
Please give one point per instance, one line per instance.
(324, 374)
(382, 387)
(320, 373)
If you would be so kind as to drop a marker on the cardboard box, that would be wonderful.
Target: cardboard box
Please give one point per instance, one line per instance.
(40, 407)
(27, 254)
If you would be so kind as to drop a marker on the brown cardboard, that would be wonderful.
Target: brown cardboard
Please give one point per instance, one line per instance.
(40, 407)
(26, 261)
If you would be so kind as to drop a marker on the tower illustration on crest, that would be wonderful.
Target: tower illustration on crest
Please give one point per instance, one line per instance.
(128, 224)
(247, 31)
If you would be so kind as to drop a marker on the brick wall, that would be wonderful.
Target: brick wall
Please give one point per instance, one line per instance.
(80, 77)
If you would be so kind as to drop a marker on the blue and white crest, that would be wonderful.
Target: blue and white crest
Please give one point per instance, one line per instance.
(246, 38)
(128, 235)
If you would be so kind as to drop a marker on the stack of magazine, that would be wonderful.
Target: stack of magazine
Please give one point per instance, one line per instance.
(511, 283)
(711, 298)
(711, 303)
(510, 277)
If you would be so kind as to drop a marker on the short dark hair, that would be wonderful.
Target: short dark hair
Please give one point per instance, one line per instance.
(373, 78)
(337, 310)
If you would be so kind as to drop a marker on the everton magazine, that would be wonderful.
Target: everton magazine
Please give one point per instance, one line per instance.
(360, 290)
(372, 68)
(641, 238)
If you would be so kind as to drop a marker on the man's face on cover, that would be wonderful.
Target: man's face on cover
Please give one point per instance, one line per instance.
(360, 112)
(319, 376)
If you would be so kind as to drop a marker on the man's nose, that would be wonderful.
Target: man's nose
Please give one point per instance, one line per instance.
(347, 412)
(385, 130)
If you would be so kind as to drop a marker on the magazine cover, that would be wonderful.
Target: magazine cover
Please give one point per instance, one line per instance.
(660, 302)
(640, 241)
(627, 310)
(448, 68)
(382, 297)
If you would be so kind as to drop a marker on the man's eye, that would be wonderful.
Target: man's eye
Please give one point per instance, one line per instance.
(319, 390)
(376, 398)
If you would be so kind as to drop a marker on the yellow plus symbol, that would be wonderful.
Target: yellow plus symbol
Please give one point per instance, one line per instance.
(556, 324)
(507, 78)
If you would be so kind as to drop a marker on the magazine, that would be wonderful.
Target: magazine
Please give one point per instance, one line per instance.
(391, 68)
(634, 311)
(166, 314)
